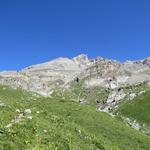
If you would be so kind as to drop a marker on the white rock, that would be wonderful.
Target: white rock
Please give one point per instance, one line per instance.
(132, 96)
(37, 112)
(9, 125)
(18, 110)
(141, 92)
(95, 82)
(30, 117)
(45, 131)
(2, 105)
(27, 111)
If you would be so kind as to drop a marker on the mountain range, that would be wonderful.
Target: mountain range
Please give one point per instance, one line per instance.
(118, 93)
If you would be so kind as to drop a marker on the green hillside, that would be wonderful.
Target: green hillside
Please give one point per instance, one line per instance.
(58, 124)
(137, 109)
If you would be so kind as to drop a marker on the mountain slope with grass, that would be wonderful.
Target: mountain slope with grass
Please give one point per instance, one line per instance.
(30, 121)
(137, 109)
(77, 103)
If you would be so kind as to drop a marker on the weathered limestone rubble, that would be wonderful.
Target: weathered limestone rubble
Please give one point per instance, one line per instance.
(134, 124)
(103, 72)
(44, 78)
(20, 117)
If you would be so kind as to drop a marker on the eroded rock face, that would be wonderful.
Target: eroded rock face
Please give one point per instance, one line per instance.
(42, 78)
(82, 60)
(112, 74)
(114, 97)
(45, 77)
(146, 62)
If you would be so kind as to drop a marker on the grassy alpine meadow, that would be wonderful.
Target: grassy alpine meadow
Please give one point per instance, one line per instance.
(137, 109)
(31, 122)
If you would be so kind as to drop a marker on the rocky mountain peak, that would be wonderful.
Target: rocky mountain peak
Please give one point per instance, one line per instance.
(146, 61)
(82, 59)
(42, 78)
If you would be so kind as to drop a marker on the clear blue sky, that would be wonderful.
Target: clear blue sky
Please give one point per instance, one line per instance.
(35, 31)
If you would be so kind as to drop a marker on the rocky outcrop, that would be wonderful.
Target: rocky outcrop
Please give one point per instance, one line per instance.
(114, 97)
(44, 78)
(134, 124)
(20, 117)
